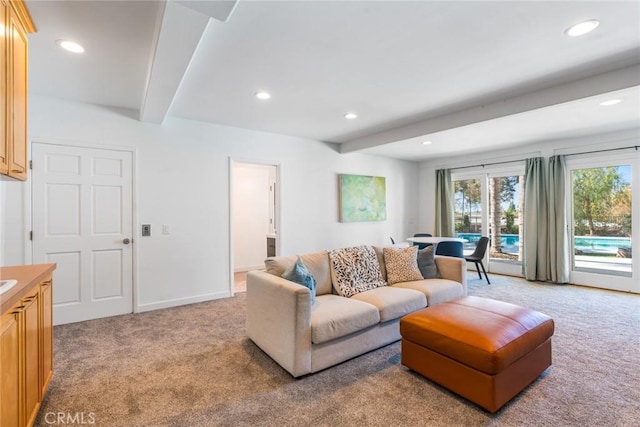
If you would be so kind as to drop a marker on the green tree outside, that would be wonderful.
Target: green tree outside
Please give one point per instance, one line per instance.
(598, 195)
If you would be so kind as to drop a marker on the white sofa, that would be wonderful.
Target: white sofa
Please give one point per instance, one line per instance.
(304, 338)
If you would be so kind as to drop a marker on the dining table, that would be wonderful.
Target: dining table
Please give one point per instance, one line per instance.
(434, 240)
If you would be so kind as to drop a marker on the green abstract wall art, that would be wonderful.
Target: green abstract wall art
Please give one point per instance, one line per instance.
(362, 198)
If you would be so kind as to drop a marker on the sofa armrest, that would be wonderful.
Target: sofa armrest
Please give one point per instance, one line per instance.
(453, 268)
(279, 320)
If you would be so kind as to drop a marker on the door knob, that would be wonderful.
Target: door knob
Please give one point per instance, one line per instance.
(126, 241)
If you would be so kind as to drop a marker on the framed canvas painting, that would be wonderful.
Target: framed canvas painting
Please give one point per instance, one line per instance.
(362, 198)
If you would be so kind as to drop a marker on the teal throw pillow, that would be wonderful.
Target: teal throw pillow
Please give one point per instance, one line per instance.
(427, 263)
(300, 274)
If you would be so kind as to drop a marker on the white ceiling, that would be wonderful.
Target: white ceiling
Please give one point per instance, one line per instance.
(469, 76)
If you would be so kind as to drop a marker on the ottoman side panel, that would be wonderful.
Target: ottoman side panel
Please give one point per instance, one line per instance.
(469, 383)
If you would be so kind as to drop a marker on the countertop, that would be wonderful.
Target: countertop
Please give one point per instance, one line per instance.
(27, 276)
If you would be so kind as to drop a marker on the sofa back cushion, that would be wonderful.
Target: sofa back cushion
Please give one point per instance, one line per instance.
(379, 250)
(317, 263)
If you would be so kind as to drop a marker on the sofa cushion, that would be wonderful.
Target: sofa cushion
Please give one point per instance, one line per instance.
(299, 273)
(392, 302)
(436, 290)
(316, 262)
(427, 263)
(333, 316)
(355, 270)
(401, 264)
(379, 250)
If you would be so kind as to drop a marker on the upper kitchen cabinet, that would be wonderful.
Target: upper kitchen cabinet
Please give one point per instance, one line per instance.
(15, 24)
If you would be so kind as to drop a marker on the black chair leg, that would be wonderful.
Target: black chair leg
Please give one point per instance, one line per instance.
(478, 270)
(485, 273)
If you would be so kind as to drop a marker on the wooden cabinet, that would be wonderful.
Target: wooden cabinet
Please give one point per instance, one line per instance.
(26, 343)
(4, 147)
(10, 372)
(28, 332)
(46, 333)
(15, 24)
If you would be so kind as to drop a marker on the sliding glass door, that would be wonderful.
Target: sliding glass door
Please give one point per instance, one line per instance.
(490, 204)
(603, 216)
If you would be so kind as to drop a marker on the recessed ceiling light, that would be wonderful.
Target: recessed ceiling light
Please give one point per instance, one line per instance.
(427, 142)
(582, 28)
(611, 102)
(263, 95)
(350, 116)
(70, 46)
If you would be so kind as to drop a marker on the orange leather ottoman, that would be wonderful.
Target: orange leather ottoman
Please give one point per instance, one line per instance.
(484, 350)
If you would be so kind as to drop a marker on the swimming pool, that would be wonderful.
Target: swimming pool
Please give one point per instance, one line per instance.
(582, 244)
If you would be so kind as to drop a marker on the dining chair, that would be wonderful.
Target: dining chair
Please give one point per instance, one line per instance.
(478, 255)
(450, 248)
(422, 245)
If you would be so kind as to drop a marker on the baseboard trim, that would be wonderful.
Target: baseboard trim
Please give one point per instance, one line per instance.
(245, 269)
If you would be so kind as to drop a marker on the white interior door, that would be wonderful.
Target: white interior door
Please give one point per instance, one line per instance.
(82, 220)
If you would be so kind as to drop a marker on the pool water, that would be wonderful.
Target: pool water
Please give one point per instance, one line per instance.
(583, 244)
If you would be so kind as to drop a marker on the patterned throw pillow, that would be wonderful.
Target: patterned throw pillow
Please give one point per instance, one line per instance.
(300, 274)
(355, 270)
(402, 264)
(427, 263)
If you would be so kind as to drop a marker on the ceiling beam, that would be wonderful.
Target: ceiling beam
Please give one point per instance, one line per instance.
(220, 10)
(595, 85)
(178, 34)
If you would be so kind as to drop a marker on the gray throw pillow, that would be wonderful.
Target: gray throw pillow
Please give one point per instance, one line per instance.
(427, 263)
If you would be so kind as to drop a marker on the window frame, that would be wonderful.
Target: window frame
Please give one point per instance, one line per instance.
(602, 279)
(483, 174)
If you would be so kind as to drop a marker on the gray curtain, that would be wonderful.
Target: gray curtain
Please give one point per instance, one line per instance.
(535, 248)
(444, 204)
(558, 260)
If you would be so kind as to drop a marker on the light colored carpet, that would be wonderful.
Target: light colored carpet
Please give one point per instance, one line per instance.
(193, 366)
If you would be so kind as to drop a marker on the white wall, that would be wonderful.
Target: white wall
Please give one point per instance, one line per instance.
(12, 237)
(182, 179)
(250, 215)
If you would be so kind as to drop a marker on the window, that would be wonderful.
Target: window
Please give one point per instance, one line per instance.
(602, 217)
(506, 197)
(490, 204)
(468, 208)
(602, 227)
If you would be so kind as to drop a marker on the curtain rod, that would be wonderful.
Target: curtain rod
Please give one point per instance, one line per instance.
(635, 147)
(488, 164)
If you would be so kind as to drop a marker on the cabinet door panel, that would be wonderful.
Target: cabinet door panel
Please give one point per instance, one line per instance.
(46, 334)
(9, 374)
(18, 98)
(4, 144)
(30, 357)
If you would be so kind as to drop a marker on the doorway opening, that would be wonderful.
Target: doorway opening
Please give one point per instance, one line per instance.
(254, 213)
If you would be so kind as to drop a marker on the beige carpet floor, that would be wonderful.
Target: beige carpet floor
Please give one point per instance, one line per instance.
(193, 366)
